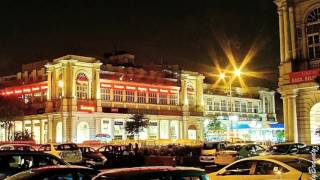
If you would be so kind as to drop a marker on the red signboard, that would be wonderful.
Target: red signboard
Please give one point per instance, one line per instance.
(304, 76)
(86, 107)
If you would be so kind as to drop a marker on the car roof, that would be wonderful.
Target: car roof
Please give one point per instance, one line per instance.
(137, 170)
(287, 143)
(276, 157)
(15, 145)
(18, 152)
(45, 168)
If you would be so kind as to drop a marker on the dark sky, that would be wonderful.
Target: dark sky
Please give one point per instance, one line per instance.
(181, 32)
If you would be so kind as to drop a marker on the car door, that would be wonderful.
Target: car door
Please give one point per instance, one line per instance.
(270, 170)
(239, 171)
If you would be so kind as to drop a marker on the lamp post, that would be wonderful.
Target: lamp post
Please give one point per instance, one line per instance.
(222, 75)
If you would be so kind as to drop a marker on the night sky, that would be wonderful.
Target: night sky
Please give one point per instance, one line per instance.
(171, 31)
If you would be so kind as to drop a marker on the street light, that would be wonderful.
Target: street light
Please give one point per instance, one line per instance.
(222, 75)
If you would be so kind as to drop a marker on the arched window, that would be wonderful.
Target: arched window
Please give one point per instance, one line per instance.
(83, 132)
(313, 34)
(82, 86)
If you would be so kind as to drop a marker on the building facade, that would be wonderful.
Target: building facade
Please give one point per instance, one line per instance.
(76, 98)
(299, 32)
(248, 116)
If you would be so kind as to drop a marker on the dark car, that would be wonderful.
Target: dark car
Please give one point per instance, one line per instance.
(151, 173)
(12, 162)
(17, 147)
(309, 151)
(285, 148)
(117, 156)
(56, 172)
(92, 158)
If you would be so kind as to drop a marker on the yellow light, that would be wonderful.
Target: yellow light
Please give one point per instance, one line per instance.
(222, 75)
(60, 83)
(237, 72)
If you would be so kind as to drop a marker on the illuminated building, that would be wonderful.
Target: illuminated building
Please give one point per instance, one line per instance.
(252, 116)
(75, 98)
(299, 35)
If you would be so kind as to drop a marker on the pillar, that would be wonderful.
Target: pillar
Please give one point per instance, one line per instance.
(111, 127)
(158, 123)
(287, 35)
(50, 129)
(292, 114)
(98, 125)
(41, 131)
(64, 129)
(285, 117)
(292, 33)
(281, 35)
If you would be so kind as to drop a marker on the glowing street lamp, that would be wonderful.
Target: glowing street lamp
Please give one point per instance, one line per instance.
(237, 72)
(222, 75)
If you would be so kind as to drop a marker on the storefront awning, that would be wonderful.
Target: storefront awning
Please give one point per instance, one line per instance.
(241, 126)
(277, 126)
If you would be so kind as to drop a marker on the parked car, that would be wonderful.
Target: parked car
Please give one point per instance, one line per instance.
(12, 162)
(118, 156)
(69, 152)
(56, 172)
(308, 151)
(17, 147)
(284, 148)
(209, 150)
(91, 157)
(151, 173)
(237, 151)
(266, 167)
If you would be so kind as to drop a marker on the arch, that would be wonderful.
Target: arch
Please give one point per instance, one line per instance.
(312, 22)
(82, 86)
(83, 132)
(315, 123)
(308, 11)
(59, 132)
(192, 132)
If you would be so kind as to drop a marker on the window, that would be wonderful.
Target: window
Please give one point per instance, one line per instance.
(47, 161)
(82, 86)
(153, 130)
(243, 107)
(216, 105)
(141, 97)
(152, 98)
(223, 105)
(191, 99)
(313, 34)
(209, 104)
(117, 95)
(105, 94)
(268, 168)
(37, 97)
(240, 168)
(163, 98)
(237, 106)
(27, 98)
(173, 99)
(130, 96)
(255, 108)
(250, 110)
(164, 129)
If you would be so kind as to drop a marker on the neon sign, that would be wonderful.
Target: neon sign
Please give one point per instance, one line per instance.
(153, 89)
(118, 87)
(106, 85)
(131, 87)
(87, 108)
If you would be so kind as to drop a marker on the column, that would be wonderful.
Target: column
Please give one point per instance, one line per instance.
(49, 89)
(169, 129)
(184, 93)
(32, 127)
(50, 129)
(181, 135)
(158, 123)
(287, 35)
(292, 114)
(111, 127)
(292, 33)
(98, 125)
(304, 42)
(64, 129)
(285, 117)
(281, 35)
(41, 131)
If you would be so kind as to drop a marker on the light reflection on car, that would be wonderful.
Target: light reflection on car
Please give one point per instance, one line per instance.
(69, 152)
(266, 167)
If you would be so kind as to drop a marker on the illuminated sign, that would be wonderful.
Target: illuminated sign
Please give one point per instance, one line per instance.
(131, 87)
(26, 90)
(153, 89)
(142, 89)
(164, 91)
(303, 76)
(44, 87)
(106, 85)
(87, 108)
(82, 81)
(173, 91)
(18, 91)
(118, 86)
(35, 89)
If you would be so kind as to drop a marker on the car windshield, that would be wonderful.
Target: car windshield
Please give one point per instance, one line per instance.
(300, 164)
(208, 146)
(280, 148)
(66, 147)
(234, 147)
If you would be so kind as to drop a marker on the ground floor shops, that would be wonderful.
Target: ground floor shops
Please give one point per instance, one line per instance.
(78, 127)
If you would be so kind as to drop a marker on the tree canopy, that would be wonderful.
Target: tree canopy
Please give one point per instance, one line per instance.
(136, 124)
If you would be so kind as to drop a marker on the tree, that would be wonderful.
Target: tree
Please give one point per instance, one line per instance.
(10, 108)
(136, 124)
(214, 125)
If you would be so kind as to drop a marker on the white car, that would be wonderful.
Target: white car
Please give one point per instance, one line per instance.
(268, 167)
